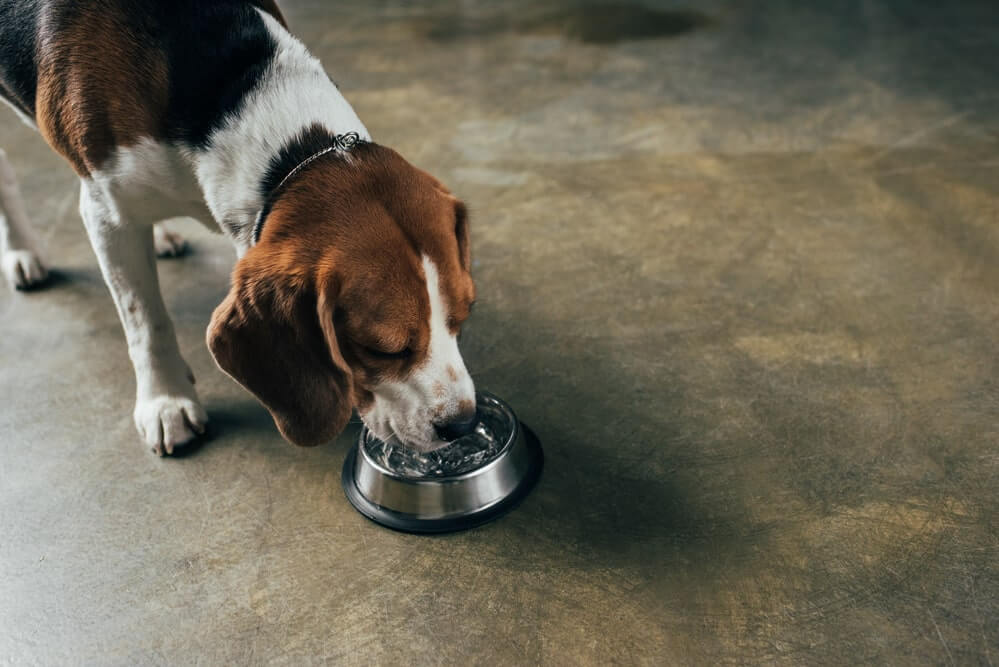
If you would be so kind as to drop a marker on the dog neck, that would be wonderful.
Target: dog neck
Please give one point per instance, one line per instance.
(294, 107)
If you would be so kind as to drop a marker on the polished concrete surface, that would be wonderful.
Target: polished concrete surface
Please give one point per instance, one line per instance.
(737, 267)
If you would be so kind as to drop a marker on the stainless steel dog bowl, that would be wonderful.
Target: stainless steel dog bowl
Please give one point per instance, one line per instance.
(472, 480)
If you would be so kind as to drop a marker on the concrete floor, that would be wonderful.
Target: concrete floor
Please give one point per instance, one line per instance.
(741, 277)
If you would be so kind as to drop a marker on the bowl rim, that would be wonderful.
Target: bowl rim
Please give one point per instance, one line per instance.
(448, 479)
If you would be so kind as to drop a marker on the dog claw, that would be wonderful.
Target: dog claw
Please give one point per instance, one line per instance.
(167, 423)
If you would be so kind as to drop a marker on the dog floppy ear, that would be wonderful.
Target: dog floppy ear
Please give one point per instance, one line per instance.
(273, 334)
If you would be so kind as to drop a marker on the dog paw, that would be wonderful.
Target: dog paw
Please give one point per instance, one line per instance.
(168, 244)
(167, 423)
(22, 269)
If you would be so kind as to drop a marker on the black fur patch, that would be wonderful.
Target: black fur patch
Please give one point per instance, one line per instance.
(18, 71)
(213, 69)
(309, 143)
(305, 144)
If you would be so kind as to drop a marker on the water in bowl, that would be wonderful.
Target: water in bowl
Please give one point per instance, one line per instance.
(463, 455)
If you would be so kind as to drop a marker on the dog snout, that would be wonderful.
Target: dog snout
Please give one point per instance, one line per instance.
(454, 428)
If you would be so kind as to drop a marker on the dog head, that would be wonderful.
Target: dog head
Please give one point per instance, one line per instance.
(354, 297)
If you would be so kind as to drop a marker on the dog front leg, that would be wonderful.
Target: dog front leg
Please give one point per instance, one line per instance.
(19, 261)
(168, 413)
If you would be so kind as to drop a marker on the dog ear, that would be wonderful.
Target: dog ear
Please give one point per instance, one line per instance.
(274, 335)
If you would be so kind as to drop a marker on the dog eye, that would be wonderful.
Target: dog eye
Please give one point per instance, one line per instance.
(382, 354)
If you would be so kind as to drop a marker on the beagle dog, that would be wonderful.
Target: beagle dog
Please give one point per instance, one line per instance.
(353, 272)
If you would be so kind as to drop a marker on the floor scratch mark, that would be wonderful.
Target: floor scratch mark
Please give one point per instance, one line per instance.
(950, 658)
(922, 132)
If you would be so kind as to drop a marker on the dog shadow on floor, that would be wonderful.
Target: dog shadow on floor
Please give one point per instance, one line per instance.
(624, 455)
(230, 422)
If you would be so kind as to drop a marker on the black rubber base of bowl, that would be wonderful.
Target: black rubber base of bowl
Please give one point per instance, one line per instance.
(408, 523)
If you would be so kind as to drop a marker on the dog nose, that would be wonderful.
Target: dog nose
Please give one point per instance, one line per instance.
(452, 430)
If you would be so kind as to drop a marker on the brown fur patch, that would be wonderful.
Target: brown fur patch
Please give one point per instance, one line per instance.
(378, 216)
(91, 99)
